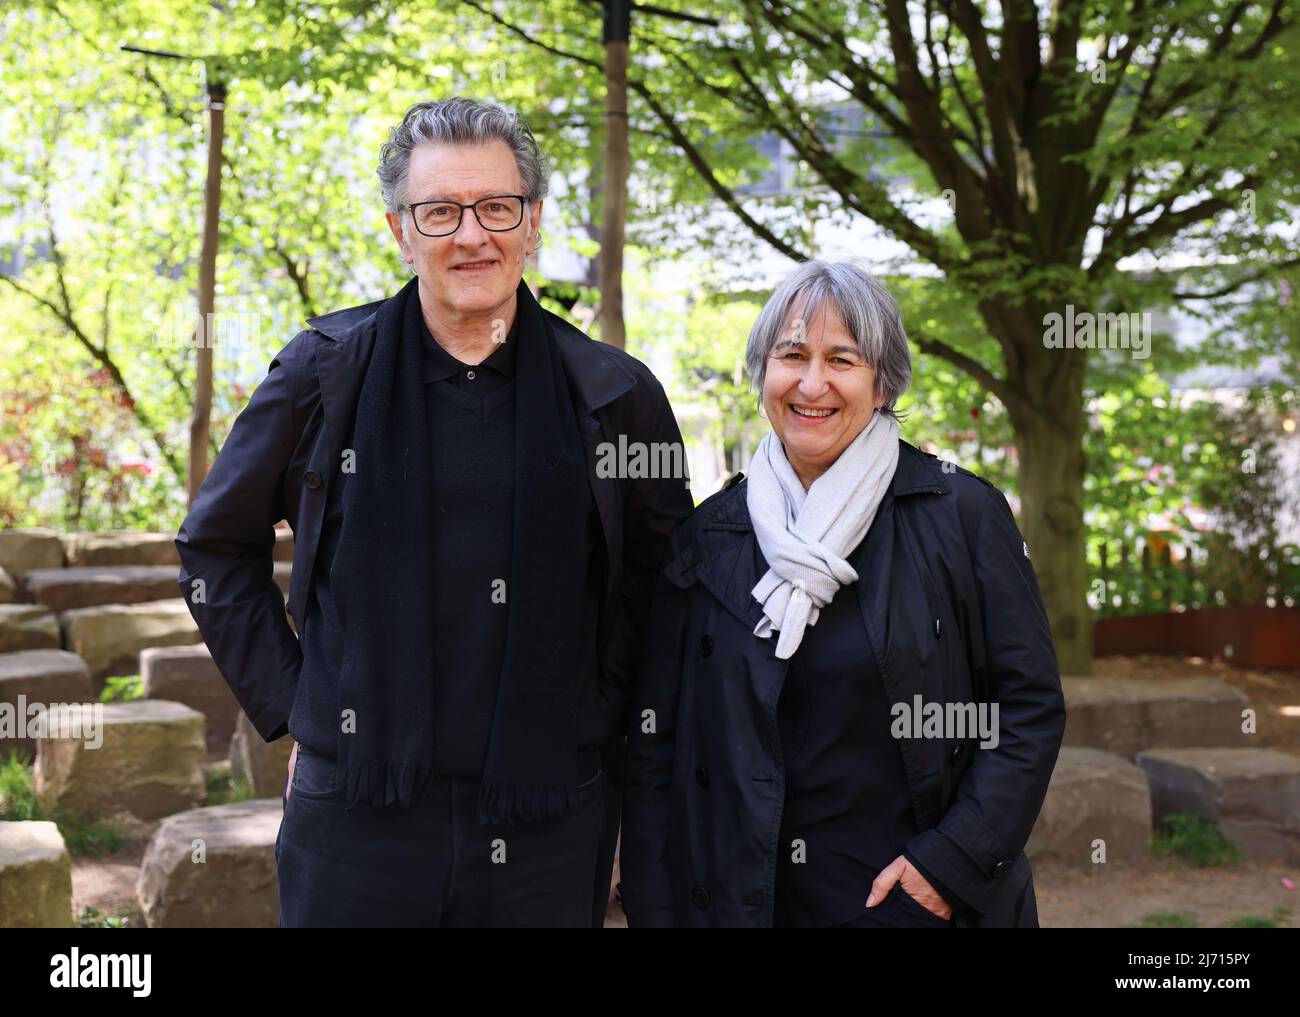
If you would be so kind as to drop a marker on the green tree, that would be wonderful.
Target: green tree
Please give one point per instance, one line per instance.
(1065, 140)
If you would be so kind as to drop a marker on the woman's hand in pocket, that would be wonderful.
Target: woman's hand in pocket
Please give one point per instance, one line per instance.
(915, 885)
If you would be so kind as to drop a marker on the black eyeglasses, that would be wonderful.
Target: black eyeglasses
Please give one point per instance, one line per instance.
(499, 213)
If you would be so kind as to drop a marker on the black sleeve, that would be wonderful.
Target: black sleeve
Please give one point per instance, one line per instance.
(1002, 790)
(645, 877)
(652, 509)
(949, 895)
(226, 544)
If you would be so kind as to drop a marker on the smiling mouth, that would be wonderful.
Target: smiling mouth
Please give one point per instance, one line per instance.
(473, 266)
(815, 414)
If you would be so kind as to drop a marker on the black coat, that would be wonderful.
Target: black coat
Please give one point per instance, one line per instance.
(953, 612)
(287, 444)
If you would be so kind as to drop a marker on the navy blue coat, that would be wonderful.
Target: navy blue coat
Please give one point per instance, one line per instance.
(953, 613)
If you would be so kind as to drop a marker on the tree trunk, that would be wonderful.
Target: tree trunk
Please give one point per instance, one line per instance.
(615, 188)
(202, 410)
(1050, 438)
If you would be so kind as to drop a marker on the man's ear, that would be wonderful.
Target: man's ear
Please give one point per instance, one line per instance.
(535, 216)
(395, 225)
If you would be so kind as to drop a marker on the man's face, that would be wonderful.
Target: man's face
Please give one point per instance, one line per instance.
(473, 271)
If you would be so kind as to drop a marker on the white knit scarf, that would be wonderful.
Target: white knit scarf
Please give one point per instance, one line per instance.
(805, 535)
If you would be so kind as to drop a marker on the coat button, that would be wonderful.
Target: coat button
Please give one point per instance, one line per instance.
(312, 479)
(700, 897)
(1000, 866)
(702, 776)
(706, 646)
(956, 752)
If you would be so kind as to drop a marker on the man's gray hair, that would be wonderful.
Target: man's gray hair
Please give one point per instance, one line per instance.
(868, 311)
(458, 121)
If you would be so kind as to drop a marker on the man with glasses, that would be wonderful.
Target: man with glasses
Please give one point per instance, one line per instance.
(469, 593)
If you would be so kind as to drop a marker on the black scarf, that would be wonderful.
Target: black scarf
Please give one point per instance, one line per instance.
(382, 580)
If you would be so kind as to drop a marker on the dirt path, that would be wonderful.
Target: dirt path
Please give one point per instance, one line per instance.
(108, 885)
(1113, 895)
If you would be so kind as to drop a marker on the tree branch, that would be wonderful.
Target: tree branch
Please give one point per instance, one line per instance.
(932, 143)
(692, 153)
(1002, 123)
(991, 382)
(861, 195)
(1232, 287)
(64, 316)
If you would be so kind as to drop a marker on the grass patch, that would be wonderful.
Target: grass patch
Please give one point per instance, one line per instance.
(93, 918)
(1195, 841)
(1279, 919)
(223, 789)
(18, 802)
(122, 689)
(85, 836)
(1166, 920)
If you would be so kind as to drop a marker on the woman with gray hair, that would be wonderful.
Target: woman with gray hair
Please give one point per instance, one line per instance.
(849, 707)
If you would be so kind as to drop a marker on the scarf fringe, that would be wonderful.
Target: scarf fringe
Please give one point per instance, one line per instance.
(505, 804)
(500, 803)
(386, 784)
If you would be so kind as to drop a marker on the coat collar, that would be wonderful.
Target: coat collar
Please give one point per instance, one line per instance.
(597, 376)
(725, 558)
(916, 473)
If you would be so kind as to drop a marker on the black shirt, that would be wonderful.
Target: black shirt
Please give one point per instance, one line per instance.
(471, 415)
(847, 797)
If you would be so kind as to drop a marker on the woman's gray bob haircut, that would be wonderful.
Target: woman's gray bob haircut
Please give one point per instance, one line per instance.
(866, 308)
(458, 121)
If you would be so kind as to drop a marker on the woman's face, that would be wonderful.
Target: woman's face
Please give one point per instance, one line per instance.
(818, 392)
